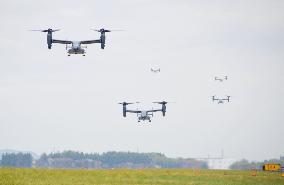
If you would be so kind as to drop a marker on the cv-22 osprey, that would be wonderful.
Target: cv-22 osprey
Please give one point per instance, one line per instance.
(144, 115)
(155, 70)
(221, 79)
(75, 47)
(221, 100)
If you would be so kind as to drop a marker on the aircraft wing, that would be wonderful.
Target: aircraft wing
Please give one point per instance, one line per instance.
(155, 110)
(61, 41)
(134, 111)
(90, 41)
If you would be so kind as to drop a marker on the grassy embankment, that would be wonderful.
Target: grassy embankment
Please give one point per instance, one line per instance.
(12, 176)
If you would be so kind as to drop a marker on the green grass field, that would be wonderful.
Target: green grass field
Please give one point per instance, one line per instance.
(12, 176)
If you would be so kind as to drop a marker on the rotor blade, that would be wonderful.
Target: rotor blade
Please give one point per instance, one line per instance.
(97, 29)
(46, 30)
(37, 30)
(125, 103)
(161, 102)
(56, 30)
(116, 30)
(105, 30)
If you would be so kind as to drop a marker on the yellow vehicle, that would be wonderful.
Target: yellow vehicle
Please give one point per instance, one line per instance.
(271, 167)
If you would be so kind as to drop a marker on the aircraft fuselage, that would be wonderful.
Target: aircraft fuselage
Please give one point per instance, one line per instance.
(76, 49)
(143, 116)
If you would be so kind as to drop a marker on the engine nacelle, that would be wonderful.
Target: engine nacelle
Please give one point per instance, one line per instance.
(49, 40)
(124, 110)
(102, 45)
(164, 109)
(103, 40)
(49, 32)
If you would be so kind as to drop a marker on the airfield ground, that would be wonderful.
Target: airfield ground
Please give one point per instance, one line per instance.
(12, 176)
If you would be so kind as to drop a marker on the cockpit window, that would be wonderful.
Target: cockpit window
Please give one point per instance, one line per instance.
(143, 113)
(76, 44)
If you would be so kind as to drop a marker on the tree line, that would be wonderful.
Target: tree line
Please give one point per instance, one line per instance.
(23, 160)
(73, 159)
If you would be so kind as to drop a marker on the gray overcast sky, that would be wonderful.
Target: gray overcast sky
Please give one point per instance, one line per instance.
(49, 101)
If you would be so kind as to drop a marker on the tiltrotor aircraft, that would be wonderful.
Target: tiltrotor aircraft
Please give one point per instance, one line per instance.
(221, 79)
(144, 115)
(76, 46)
(221, 100)
(155, 70)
